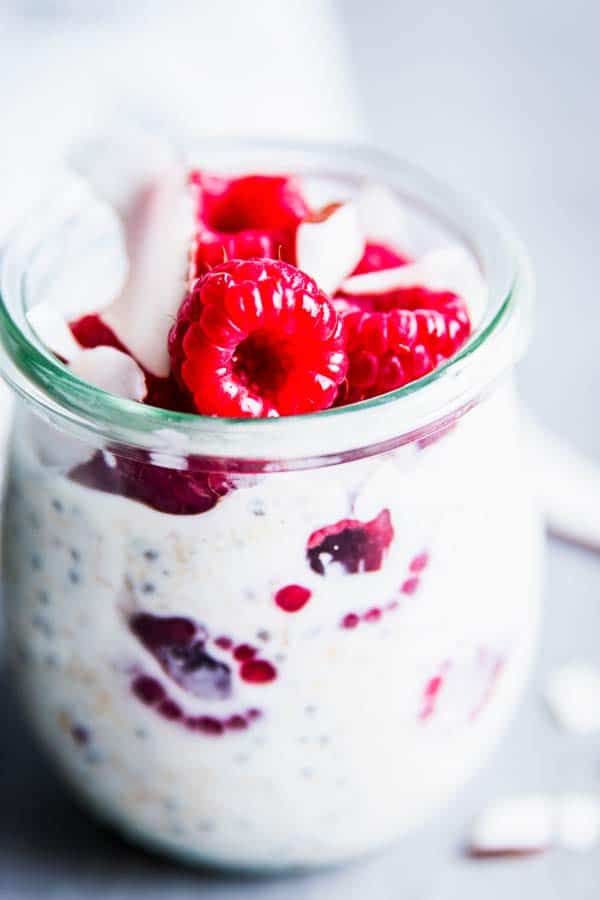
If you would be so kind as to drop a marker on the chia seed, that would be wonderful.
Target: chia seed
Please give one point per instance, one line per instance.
(257, 508)
(42, 625)
(34, 521)
(93, 758)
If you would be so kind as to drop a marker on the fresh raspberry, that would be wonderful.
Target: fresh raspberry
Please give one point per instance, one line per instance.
(90, 331)
(377, 257)
(258, 338)
(245, 218)
(397, 337)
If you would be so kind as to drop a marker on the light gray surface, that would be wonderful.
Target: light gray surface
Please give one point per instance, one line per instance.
(502, 100)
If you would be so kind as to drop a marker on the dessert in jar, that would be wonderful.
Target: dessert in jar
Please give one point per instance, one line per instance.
(271, 559)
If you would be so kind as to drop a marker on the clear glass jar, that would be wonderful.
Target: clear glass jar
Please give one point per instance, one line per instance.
(245, 642)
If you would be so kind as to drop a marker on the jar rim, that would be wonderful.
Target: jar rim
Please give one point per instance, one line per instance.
(401, 416)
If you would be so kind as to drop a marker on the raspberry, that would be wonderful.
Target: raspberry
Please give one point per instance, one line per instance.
(397, 337)
(245, 218)
(377, 257)
(90, 331)
(258, 338)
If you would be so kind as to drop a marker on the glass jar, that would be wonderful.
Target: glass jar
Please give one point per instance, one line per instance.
(245, 642)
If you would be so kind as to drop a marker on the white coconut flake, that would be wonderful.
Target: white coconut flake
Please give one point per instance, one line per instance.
(53, 330)
(578, 821)
(383, 217)
(514, 826)
(328, 248)
(573, 696)
(138, 174)
(446, 269)
(111, 370)
(158, 233)
(528, 824)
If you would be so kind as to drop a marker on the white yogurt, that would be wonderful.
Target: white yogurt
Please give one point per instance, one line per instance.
(366, 730)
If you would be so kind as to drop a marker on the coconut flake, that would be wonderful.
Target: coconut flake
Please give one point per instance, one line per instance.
(53, 330)
(330, 244)
(578, 821)
(158, 234)
(514, 826)
(573, 696)
(140, 178)
(383, 218)
(446, 269)
(111, 370)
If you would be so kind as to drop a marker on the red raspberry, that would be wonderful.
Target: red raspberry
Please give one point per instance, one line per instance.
(377, 257)
(245, 218)
(397, 337)
(258, 338)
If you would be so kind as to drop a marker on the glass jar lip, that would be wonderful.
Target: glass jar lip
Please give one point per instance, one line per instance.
(332, 434)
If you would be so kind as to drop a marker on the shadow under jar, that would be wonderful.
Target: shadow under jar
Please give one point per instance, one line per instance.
(246, 642)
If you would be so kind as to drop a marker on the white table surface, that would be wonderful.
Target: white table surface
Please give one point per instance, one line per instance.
(503, 99)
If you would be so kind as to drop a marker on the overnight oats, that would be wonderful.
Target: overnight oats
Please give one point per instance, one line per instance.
(270, 554)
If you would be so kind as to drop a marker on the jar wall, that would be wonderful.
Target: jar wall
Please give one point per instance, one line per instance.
(266, 679)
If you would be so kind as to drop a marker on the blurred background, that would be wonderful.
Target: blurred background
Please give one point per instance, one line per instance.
(497, 98)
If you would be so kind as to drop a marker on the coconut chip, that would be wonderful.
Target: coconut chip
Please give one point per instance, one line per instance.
(573, 696)
(111, 370)
(514, 826)
(446, 269)
(330, 244)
